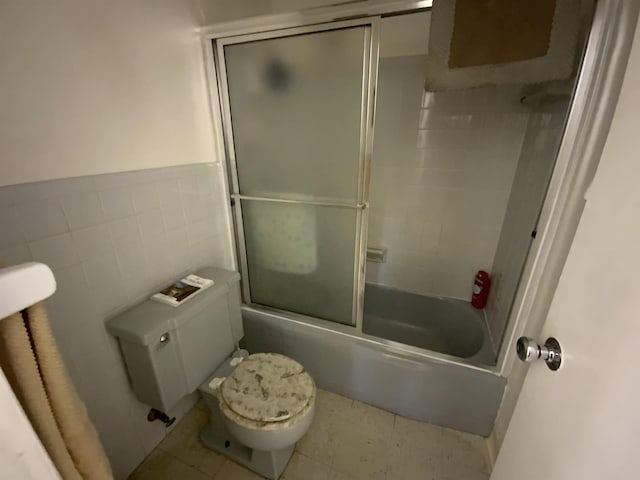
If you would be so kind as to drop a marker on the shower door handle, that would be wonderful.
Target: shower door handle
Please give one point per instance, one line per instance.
(355, 206)
(528, 351)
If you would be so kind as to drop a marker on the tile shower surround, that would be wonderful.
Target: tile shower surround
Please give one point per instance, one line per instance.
(442, 169)
(111, 240)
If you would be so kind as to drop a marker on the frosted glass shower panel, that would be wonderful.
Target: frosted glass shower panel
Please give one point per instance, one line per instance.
(295, 107)
(301, 257)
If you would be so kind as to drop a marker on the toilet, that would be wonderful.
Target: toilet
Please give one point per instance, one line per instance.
(260, 404)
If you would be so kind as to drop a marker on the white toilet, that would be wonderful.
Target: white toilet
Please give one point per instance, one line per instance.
(260, 404)
(259, 410)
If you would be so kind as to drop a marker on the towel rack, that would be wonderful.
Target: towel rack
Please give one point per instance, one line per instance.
(23, 285)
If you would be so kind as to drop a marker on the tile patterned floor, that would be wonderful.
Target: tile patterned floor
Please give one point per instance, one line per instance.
(347, 441)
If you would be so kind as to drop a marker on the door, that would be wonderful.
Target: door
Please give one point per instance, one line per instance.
(296, 104)
(583, 421)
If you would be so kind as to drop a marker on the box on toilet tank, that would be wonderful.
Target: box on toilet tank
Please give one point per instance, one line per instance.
(169, 351)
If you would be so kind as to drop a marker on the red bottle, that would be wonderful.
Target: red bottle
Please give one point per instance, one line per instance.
(480, 289)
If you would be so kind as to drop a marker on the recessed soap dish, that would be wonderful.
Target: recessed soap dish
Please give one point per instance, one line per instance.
(377, 255)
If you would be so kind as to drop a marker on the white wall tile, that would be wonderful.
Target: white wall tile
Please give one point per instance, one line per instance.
(70, 186)
(58, 251)
(125, 231)
(105, 282)
(168, 192)
(107, 258)
(151, 225)
(92, 242)
(116, 203)
(196, 208)
(41, 219)
(145, 197)
(83, 210)
(443, 165)
(131, 256)
(189, 185)
(108, 181)
(73, 315)
(200, 231)
(11, 232)
(173, 215)
(16, 254)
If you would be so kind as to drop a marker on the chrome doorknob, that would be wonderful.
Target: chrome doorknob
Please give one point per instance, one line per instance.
(528, 350)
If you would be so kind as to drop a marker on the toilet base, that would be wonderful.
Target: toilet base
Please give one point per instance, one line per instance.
(216, 436)
(268, 464)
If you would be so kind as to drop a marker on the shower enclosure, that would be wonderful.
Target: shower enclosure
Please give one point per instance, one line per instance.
(298, 104)
(314, 188)
(358, 245)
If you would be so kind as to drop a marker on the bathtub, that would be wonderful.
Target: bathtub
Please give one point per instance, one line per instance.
(405, 380)
(444, 325)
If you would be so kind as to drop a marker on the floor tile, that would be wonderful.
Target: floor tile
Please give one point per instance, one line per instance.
(164, 466)
(348, 440)
(320, 442)
(375, 420)
(361, 454)
(333, 406)
(200, 405)
(184, 443)
(304, 468)
(336, 475)
(232, 471)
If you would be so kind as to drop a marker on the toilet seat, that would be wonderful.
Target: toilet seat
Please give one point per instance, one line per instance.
(267, 391)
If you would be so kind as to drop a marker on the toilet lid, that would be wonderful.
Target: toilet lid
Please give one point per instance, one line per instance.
(268, 387)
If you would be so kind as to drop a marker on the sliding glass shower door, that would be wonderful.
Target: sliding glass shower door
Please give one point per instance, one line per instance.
(296, 104)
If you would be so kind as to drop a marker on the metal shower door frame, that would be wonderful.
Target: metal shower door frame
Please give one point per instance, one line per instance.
(367, 118)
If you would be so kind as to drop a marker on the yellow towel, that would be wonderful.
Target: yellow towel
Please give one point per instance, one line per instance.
(33, 366)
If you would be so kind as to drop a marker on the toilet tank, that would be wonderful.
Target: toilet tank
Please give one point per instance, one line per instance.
(169, 351)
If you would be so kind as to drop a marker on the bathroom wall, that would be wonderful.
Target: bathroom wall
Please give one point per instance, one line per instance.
(98, 87)
(111, 241)
(116, 88)
(442, 169)
(537, 158)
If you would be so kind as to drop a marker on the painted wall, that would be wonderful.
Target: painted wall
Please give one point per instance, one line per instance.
(442, 169)
(97, 87)
(537, 159)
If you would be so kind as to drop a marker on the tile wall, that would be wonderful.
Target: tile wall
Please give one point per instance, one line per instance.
(442, 170)
(112, 240)
(537, 159)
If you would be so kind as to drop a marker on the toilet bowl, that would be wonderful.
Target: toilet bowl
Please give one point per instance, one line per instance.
(259, 409)
(268, 401)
